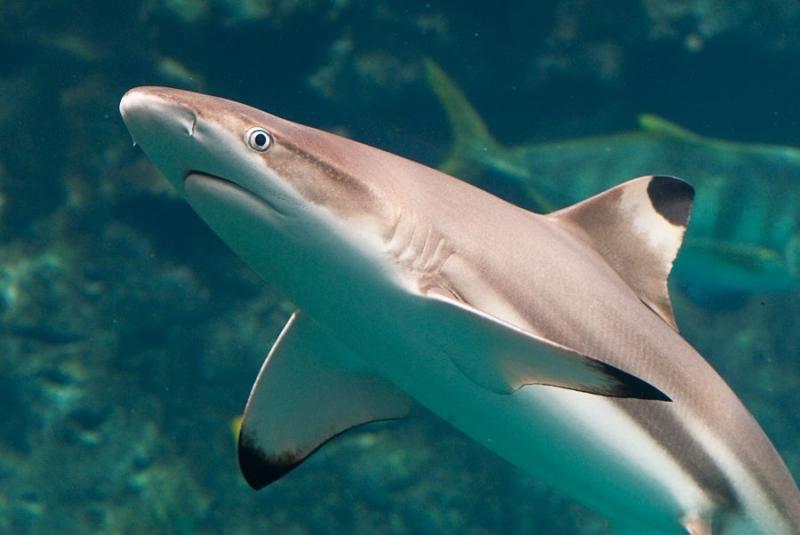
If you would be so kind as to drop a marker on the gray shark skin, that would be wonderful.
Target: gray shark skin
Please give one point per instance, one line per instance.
(745, 229)
(547, 338)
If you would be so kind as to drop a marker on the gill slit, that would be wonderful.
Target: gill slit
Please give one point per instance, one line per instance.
(423, 253)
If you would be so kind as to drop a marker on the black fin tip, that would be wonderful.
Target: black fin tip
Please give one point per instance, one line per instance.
(672, 198)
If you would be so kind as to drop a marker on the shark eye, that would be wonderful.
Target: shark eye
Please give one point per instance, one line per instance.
(258, 139)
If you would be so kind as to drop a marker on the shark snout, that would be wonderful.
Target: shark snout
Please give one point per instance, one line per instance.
(152, 111)
(163, 122)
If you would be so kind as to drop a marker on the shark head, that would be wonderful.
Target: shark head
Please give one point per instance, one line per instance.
(193, 137)
(279, 193)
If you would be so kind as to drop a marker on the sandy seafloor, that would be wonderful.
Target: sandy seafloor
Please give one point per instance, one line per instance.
(130, 335)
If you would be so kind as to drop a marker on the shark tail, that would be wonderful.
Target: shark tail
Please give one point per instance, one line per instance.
(471, 138)
(475, 155)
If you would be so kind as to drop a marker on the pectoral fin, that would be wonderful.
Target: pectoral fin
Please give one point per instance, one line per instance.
(309, 390)
(503, 358)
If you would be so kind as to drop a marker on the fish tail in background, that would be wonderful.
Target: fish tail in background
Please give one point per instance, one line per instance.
(475, 153)
(472, 141)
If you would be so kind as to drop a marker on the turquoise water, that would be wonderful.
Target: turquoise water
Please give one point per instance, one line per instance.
(131, 335)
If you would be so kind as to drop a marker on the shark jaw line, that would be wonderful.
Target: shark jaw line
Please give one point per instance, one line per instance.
(199, 175)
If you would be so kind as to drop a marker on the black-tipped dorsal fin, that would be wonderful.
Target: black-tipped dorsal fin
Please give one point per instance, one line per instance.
(638, 228)
(310, 389)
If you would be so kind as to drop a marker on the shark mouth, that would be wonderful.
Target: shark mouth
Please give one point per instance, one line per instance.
(198, 176)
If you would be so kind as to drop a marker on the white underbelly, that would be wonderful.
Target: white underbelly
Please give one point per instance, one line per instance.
(580, 443)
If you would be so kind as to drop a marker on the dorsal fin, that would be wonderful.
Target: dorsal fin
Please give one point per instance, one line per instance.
(638, 228)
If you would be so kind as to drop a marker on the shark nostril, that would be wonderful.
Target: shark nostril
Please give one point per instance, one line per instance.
(184, 118)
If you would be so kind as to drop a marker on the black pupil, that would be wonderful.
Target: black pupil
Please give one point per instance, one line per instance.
(261, 139)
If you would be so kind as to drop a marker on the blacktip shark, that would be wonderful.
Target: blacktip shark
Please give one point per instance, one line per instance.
(744, 239)
(549, 339)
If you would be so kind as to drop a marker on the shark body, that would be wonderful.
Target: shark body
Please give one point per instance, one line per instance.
(745, 233)
(547, 338)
